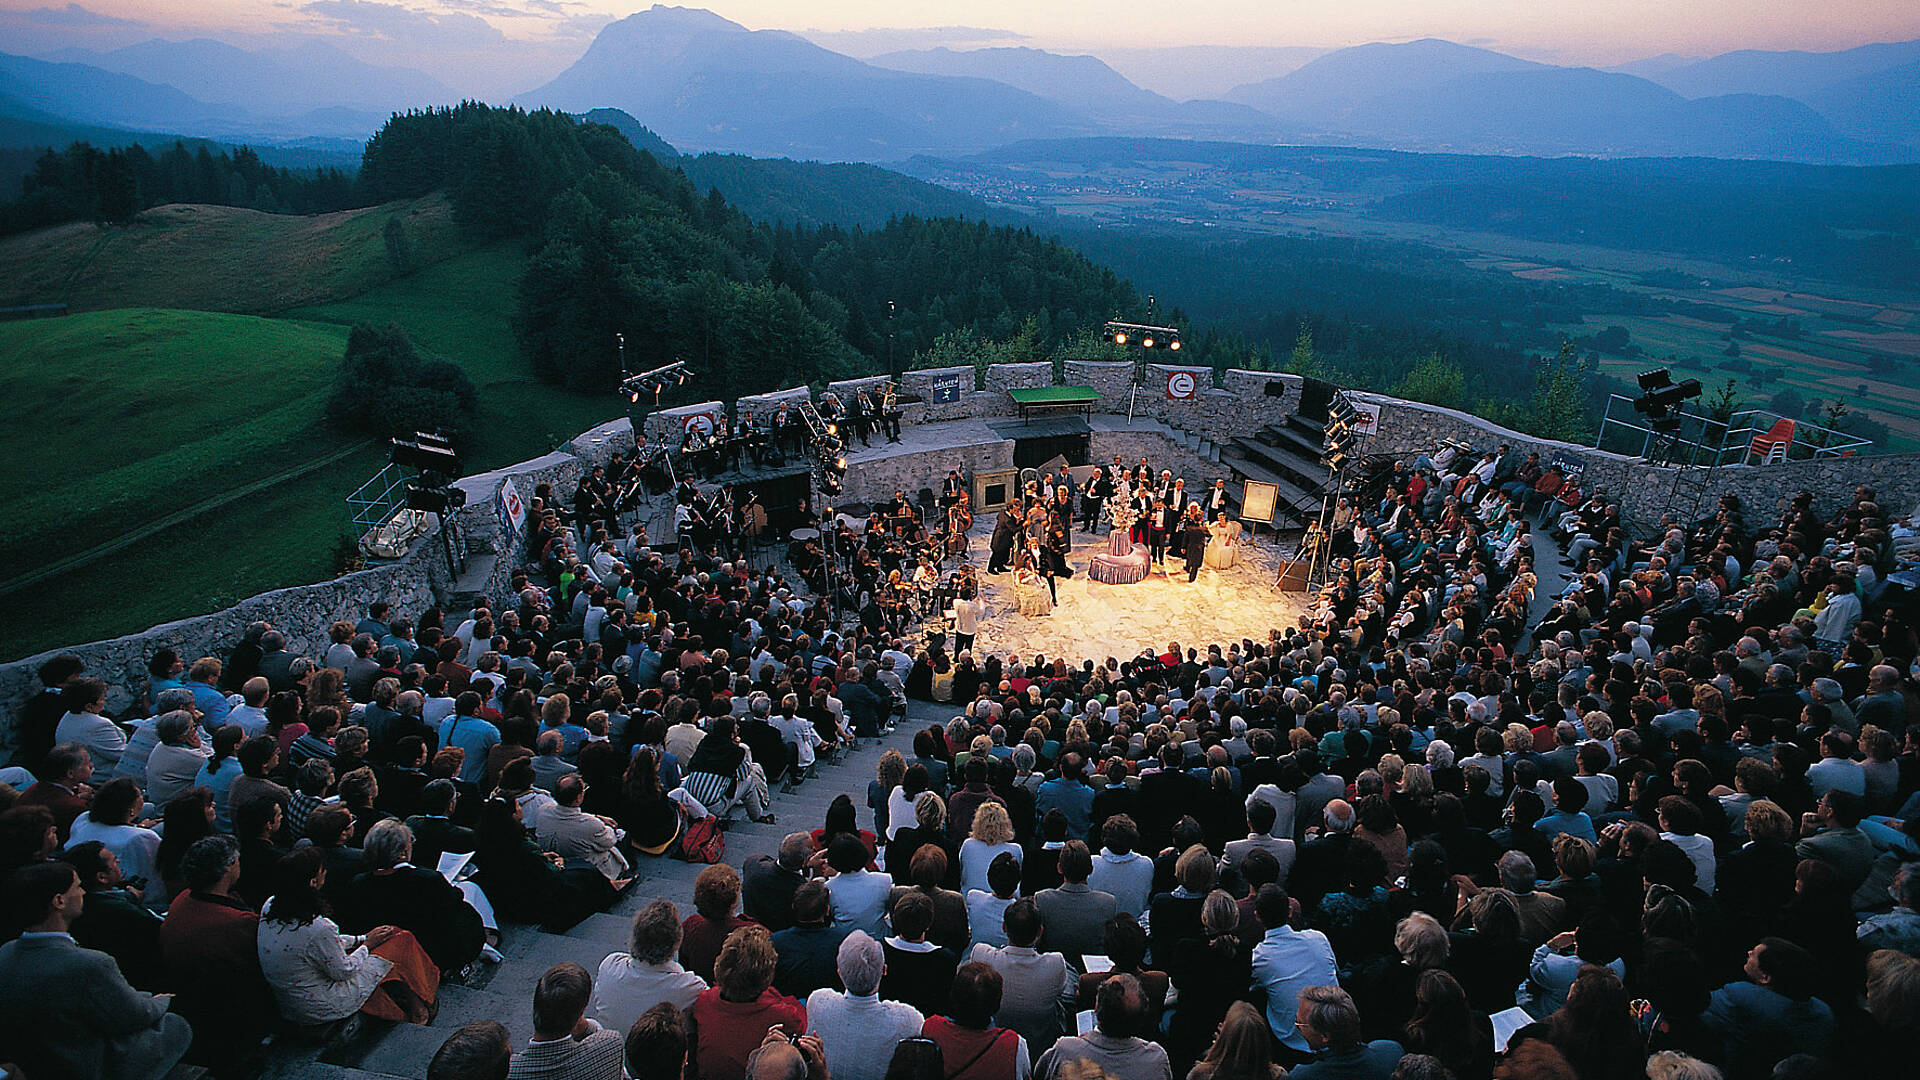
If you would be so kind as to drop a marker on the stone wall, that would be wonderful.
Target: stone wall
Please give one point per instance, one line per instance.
(920, 384)
(1160, 451)
(1240, 406)
(1004, 377)
(1644, 490)
(753, 408)
(666, 427)
(876, 479)
(1112, 379)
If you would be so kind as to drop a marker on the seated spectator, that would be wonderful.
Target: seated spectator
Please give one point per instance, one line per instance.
(1773, 1013)
(768, 882)
(1036, 987)
(320, 975)
(111, 820)
(658, 1040)
(579, 838)
(61, 786)
(986, 910)
(1120, 1011)
(968, 1038)
(566, 1042)
(918, 972)
(858, 1029)
(1120, 870)
(716, 896)
(1284, 964)
(177, 760)
(86, 725)
(1175, 916)
(926, 871)
(729, 1021)
(113, 920)
(808, 948)
(1445, 1027)
(257, 827)
(526, 884)
(208, 944)
(1328, 1022)
(65, 1011)
(394, 892)
(1075, 916)
(631, 983)
(1241, 1051)
(433, 830)
(1559, 962)
(1595, 1029)
(859, 895)
(1123, 942)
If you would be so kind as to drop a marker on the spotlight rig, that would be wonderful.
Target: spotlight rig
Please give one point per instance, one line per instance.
(1144, 335)
(1660, 398)
(674, 374)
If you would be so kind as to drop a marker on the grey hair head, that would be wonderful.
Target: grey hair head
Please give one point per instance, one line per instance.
(172, 726)
(1517, 872)
(860, 962)
(177, 699)
(388, 844)
(1023, 757)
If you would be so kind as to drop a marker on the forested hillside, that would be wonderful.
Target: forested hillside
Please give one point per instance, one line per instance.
(625, 245)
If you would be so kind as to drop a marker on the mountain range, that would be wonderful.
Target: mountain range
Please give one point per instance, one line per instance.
(707, 84)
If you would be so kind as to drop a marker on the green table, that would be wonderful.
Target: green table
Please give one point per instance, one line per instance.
(1063, 398)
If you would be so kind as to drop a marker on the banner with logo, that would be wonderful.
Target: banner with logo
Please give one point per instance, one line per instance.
(513, 512)
(944, 389)
(1182, 385)
(1366, 418)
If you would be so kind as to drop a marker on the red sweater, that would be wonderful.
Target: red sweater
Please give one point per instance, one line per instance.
(972, 1054)
(726, 1032)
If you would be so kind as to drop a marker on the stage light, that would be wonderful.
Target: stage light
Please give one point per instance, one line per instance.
(1147, 342)
(1657, 379)
(425, 452)
(840, 463)
(833, 429)
(1120, 338)
(1174, 344)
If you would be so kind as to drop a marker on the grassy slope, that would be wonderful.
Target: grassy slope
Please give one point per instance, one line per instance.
(139, 410)
(219, 258)
(134, 412)
(461, 309)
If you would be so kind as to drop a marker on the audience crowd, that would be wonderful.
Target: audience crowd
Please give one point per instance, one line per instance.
(1672, 830)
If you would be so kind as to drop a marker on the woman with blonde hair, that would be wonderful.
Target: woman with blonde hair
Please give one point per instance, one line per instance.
(888, 774)
(1242, 1051)
(992, 834)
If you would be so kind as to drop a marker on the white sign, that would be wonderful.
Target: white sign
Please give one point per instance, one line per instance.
(700, 422)
(513, 512)
(1180, 385)
(1366, 419)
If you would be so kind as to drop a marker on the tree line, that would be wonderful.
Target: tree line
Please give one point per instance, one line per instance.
(86, 183)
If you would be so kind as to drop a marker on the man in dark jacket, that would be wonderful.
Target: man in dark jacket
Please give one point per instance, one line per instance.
(397, 893)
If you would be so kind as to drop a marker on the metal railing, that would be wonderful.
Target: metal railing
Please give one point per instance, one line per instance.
(375, 502)
(1705, 442)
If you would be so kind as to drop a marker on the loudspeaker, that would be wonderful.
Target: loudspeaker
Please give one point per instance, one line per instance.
(1294, 578)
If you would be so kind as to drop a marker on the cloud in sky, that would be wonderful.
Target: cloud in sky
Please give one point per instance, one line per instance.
(399, 23)
(76, 16)
(882, 39)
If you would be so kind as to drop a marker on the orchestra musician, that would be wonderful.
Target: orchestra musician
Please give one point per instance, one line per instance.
(860, 414)
(890, 413)
(952, 488)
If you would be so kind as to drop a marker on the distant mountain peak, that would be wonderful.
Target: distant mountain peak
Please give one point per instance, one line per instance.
(691, 19)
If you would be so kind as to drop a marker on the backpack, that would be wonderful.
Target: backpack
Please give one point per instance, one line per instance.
(704, 842)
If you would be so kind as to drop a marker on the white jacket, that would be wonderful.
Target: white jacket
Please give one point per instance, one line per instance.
(314, 978)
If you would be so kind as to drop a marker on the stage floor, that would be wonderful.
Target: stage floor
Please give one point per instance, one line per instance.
(1095, 621)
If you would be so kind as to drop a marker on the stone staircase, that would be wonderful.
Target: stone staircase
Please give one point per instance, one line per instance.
(504, 992)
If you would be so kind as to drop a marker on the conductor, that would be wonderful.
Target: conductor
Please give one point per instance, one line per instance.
(1006, 531)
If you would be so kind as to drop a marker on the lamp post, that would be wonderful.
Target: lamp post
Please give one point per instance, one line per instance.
(892, 369)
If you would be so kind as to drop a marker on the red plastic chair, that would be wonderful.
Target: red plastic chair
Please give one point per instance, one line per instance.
(1771, 448)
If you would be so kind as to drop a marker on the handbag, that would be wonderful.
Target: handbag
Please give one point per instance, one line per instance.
(704, 842)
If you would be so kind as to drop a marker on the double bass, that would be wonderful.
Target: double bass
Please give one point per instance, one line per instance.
(959, 522)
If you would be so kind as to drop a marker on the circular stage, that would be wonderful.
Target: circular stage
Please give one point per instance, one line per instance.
(1092, 621)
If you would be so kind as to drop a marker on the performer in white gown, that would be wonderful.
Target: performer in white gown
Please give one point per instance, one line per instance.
(1224, 549)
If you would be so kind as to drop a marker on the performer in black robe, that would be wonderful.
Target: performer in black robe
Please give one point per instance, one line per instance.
(1006, 529)
(1193, 538)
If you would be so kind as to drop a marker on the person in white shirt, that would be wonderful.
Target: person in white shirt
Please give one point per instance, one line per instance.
(111, 821)
(797, 731)
(858, 1029)
(967, 612)
(1680, 824)
(1120, 870)
(177, 761)
(629, 983)
(1836, 770)
(85, 700)
(858, 895)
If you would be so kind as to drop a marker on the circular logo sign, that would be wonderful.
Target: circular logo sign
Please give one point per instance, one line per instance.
(1180, 384)
(700, 422)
